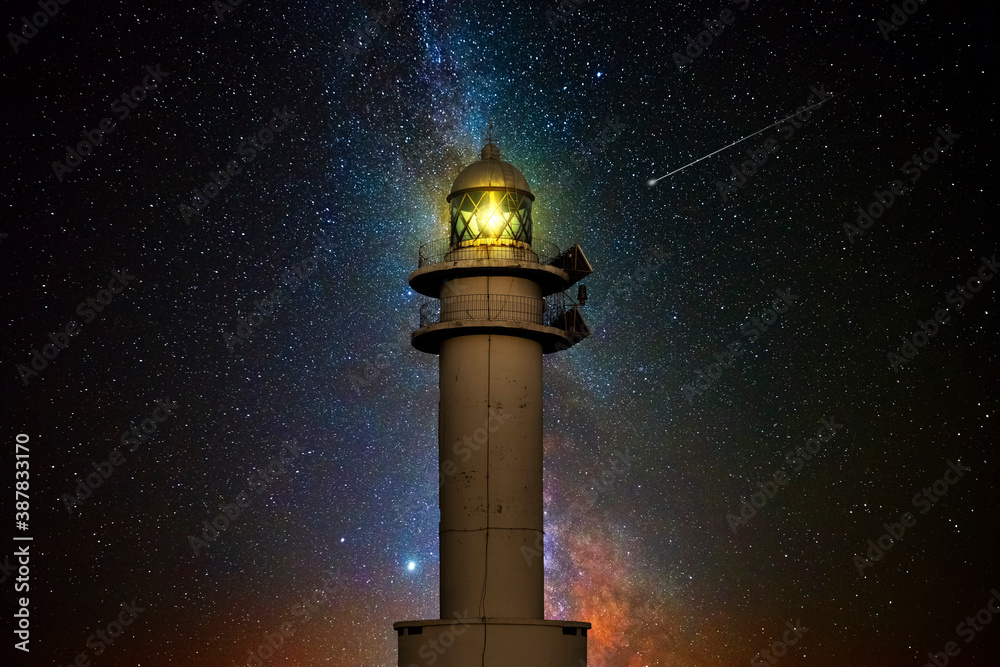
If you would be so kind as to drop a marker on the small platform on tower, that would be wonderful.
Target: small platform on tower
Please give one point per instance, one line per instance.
(574, 263)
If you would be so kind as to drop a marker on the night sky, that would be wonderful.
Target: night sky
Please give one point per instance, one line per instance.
(693, 393)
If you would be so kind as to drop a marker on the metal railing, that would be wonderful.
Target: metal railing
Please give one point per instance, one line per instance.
(555, 309)
(440, 250)
(550, 311)
(491, 307)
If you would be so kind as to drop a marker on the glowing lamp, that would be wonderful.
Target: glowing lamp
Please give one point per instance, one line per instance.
(490, 203)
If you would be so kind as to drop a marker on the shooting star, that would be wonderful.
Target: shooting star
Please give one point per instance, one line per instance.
(653, 181)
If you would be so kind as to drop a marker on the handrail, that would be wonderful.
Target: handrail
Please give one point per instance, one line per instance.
(440, 250)
(492, 307)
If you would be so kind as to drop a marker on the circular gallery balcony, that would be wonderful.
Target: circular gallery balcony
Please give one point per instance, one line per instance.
(547, 320)
(440, 261)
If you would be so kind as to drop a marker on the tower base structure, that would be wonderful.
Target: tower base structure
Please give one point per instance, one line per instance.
(492, 642)
(500, 306)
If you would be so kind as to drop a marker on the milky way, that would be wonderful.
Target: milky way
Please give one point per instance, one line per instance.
(268, 191)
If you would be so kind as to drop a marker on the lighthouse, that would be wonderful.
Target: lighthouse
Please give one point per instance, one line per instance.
(497, 302)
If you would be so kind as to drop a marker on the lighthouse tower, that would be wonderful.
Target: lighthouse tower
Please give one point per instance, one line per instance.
(497, 305)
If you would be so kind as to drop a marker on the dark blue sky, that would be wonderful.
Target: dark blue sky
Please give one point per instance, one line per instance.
(268, 179)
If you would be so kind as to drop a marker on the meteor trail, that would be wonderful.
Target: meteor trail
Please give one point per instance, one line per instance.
(654, 181)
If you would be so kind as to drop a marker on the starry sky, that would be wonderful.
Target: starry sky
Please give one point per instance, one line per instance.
(290, 158)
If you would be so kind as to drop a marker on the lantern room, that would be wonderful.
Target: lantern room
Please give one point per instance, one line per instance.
(490, 203)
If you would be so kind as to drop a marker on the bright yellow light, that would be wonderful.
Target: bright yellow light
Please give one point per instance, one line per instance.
(488, 217)
(493, 217)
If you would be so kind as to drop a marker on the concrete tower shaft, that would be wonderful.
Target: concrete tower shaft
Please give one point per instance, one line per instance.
(499, 307)
(490, 436)
(491, 507)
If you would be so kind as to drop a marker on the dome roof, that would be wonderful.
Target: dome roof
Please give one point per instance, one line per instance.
(490, 172)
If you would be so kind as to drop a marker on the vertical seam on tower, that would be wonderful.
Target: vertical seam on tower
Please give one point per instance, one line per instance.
(486, 554)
